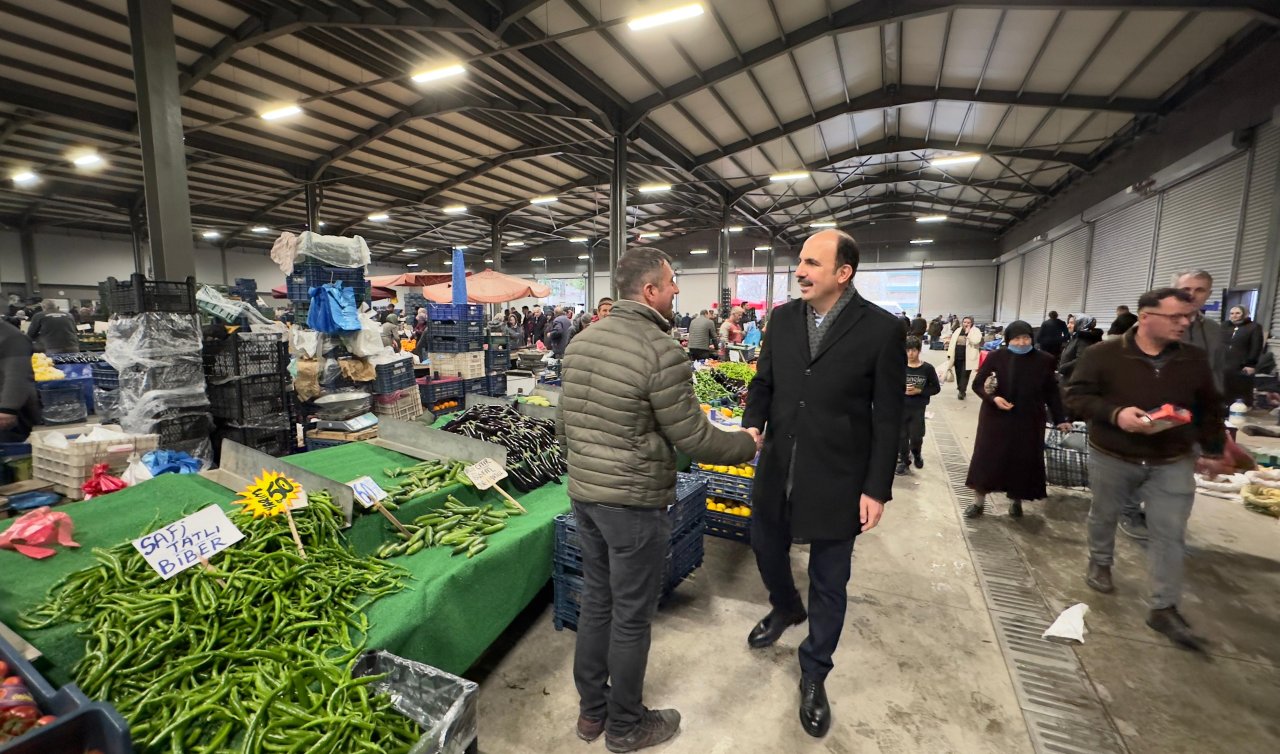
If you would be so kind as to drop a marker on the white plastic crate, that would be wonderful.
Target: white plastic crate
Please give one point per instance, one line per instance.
(468, 366)
(68, 468)
(407, 407)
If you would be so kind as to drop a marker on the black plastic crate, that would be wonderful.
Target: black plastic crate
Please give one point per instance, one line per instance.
(496, 385)
(455, 329)
(272, 441)
(180, 428)
(727, 485)
(105, 376)
(437, 390)
(393, 376)
(308, 275)
(479, 385)
(248, 399)
(728, 526)
(455, 312)
(497, 343)
(62, 401)
(245, 354)
(451, 344)
(497, 362)
(139, 295)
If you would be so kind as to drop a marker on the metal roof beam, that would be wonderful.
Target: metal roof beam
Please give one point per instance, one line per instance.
(910, 95)
(514, 10)
(258, 29)
(896, 177)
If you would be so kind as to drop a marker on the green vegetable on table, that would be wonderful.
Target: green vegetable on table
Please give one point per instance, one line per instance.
(706, 389)
(252, 655)
(465, 528)
(422, 479)
(736, 371)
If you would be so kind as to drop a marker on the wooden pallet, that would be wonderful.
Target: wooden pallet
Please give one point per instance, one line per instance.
(325, 434)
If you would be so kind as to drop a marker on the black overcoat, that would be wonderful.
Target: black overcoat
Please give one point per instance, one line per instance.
(841, 412)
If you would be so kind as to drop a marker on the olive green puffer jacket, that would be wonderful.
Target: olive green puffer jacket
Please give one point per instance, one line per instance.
(627, 404)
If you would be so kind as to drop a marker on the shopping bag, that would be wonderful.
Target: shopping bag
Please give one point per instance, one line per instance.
(342, 306)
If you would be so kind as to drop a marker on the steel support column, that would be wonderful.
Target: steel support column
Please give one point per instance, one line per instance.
(1266, 308)
(312, 192)
(495, 244)
(722, 259)
(617, 209)
(27, 246)
(768, 283)
(591, 277)
(137, 226)
(164, 162)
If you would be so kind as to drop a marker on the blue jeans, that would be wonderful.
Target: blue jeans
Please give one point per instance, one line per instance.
(1168, 491)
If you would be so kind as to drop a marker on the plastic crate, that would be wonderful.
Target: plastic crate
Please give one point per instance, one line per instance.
(313, 443)
(453, 344)
(68, 468)
(308, 275)
(467, 366)
(178, 429)
(497, 362)
(245, 354)
(253, 399)
(726, 485)
(455, 329)
(138, 295)
(433, 391)
(567, 596)
(455, 313)
(1067, 466)
(393, 376)
(105, 376)
(728, 526)
(686, 511)
(406, 406)
(62, 402)
(272, 441)
(497, 343)
(479, 385)
(496, 385)
(106, 404)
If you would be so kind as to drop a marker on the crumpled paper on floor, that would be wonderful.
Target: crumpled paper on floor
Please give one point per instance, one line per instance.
(1069, 626)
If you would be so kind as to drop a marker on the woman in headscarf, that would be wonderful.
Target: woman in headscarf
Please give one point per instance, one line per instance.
(391, 332)
(1086, 334)
(419, 323)
(1008, 455)
(514, 332)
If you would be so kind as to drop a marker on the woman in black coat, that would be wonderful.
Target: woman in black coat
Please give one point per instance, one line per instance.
(1008, 455)
(1086, 334)
(1242, 341)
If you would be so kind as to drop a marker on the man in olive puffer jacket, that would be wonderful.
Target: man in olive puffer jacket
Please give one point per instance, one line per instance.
(627, 405)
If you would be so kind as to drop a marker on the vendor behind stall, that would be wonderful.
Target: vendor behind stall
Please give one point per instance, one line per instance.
(55, 332)
(19, 405)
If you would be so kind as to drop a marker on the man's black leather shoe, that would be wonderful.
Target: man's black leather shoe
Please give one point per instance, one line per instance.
(769, 630)
(815, 712)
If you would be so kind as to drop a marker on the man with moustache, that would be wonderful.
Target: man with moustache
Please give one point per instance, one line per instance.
(828, 397)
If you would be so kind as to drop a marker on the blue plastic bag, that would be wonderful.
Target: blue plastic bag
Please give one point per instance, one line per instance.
(753, 336)
(170, 462)
(333, 309)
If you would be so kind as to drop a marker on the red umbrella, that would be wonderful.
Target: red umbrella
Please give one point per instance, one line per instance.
(410, 279)
(488, 287)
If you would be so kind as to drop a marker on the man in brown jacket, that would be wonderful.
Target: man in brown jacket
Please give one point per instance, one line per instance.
(1114, 387)
(627, 406)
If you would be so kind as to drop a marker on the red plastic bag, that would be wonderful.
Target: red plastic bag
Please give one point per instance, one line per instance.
(34, 533)
(101, 482)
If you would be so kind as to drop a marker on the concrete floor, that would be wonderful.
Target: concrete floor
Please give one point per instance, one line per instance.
(919, 668)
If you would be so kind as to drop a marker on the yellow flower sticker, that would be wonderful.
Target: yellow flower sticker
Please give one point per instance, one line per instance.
(272, 494)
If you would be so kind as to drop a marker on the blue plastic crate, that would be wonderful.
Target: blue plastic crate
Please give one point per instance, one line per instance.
(105, 376)
(393, 376)
(59, 400)
(497, 362)
(438, 390)
(314, 444)
(567, 594)
(496, 385)
(453, 344)
(455, 312)
(728, 526)
(726, 485)
(479, 385)
(308, 275)
(568, 551)
(455, 329)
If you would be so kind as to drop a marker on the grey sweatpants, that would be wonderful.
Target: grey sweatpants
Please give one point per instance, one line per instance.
(1168, 491)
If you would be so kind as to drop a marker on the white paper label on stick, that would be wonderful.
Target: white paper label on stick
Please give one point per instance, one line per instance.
(367, 491)
(485, 473)
(185, 542)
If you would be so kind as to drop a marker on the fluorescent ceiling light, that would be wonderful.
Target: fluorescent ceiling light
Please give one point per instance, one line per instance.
(515, 244)
(655, 187)
(24, 177)
(281, 112)
(410, 249)
(680, 13)
(584, 256)
(261, 229)
(455, 209)
(932, 219)
(321, 223)
(792, 176)
(436, 74)
(537, 259)
(697, 251)
(448, 262)
(650, 235)
(578, 239)
(822, 225)
(543, 199)
(921, 241)
(488, 261)
(412, 264)
(764, 248)
(460, 248)
(210, 234)
(960, 159)
(735, 228)
(87, 159)
(379, 217)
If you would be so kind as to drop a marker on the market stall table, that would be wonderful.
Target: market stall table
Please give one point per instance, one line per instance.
(451, 610)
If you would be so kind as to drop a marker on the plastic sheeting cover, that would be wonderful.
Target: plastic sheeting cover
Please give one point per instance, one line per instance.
(442, 703)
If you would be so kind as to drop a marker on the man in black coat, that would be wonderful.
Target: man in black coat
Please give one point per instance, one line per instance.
(1053, 335)
(828, 397)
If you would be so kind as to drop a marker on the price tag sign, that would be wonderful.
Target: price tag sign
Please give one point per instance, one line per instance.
(735, 356)
(187, 541)
(485, 473)
(272, 494)
(368, 493)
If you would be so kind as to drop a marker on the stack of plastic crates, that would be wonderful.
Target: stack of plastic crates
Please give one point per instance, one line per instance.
(441, 396)
(250, 392)
(62, 401)
(68, 466)
(310, 274)
(497, 354)
(106, 391)
(454, 328)
(395, 390)
(1066, 456)
(683, 557)
(736, 490)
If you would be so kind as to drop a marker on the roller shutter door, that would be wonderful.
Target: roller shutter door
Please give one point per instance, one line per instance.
(1011, 274)
(1066, 273)
(1121, 260)
(1199, 223)
(1257, 208)
(963, 291)
(1035, 283)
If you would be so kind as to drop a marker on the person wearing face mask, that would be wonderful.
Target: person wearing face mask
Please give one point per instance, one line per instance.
(1242, 341)
(962, 353)
(1008, 454)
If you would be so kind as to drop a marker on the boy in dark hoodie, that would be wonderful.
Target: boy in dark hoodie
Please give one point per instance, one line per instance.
(922, 383)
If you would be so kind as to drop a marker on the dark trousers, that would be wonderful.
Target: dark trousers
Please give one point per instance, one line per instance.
(962, 379)
(912, 438)
(624, 559)
(699, 354)
(830, 561)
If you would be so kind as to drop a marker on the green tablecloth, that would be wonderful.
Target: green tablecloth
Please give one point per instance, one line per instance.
(451, 610)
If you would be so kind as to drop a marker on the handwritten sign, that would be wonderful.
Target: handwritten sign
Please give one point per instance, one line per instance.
(187, 541)
(485, 473)
(272, 494)
(368, 493)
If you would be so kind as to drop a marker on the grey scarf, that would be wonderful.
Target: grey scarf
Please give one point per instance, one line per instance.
(818, 331)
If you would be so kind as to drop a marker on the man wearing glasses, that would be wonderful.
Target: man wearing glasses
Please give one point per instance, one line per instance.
(1115, 387)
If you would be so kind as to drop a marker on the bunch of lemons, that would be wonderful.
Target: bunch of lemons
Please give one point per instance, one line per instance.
(43, 368)
(732, 507)
(744, 470)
